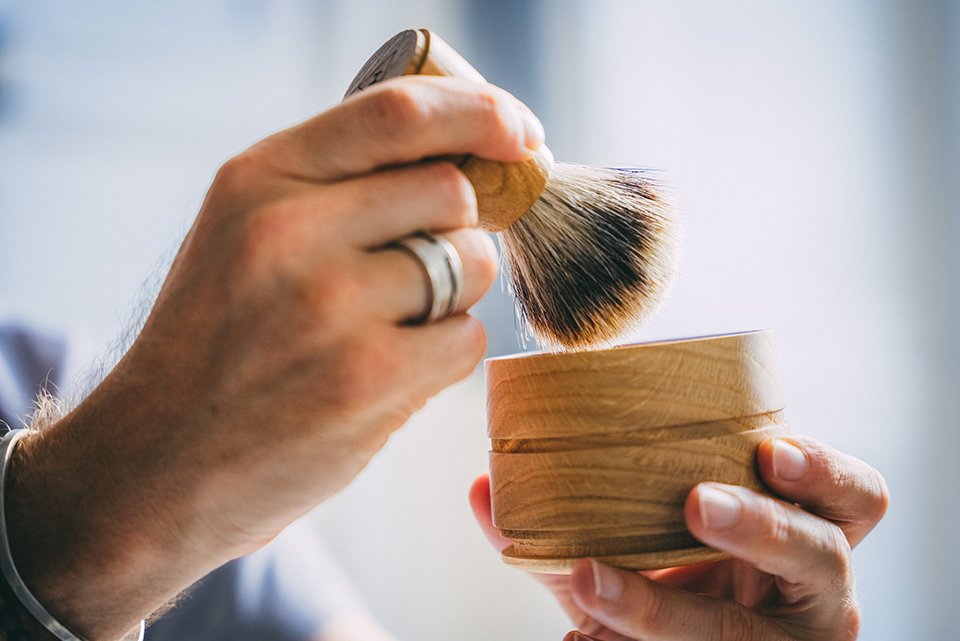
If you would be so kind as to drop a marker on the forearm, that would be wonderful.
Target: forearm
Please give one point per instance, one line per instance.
(97, 536)
(278, 358)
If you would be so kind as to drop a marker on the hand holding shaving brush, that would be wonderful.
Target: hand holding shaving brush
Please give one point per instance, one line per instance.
(594, 452)
(590, 251)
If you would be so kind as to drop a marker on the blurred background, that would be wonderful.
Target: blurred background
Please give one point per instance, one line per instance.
(813, 147)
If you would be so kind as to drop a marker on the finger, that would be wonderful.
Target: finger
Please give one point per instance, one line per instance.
(437, 355)
(729, 579)
(834, 485)
(483, 512)
(634, 606)
(810, 555)
(403, 286)
(373, 210)
(713, 578)
(404, 120)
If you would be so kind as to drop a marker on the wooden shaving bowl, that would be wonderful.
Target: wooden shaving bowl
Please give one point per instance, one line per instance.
(594, 453)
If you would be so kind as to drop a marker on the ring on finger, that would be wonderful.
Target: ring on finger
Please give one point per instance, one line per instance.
(444, 269)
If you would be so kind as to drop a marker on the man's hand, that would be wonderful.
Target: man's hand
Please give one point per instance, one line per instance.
(791, 577)
(276, 360)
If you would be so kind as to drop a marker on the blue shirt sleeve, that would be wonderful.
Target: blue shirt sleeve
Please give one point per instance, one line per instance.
(30, 362)
(287, 591)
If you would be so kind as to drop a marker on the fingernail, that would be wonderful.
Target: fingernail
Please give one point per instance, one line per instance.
(533, 133)
(789, 461)
(719, 510)
(579, 636)
(607, 582)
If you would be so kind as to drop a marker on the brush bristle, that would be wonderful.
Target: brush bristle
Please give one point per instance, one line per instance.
(593, 256)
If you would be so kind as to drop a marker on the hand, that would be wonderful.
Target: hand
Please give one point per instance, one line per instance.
(276, 360)
(790, 577)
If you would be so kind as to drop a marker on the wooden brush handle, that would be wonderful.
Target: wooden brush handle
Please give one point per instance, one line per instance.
(505, 191)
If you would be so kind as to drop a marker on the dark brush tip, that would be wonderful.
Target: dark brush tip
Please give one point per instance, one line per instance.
(593, 256)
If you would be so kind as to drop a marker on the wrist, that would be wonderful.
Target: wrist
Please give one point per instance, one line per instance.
(95, 543)
(23, 604)
(15, 620)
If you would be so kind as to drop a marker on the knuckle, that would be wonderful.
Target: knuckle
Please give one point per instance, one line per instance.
(839, 473)
(375, 365)
(457, 192)
(326, 291)
(467, 342)
(838, 571)
(497, 117)
(480, 261)
(881, 497)
(852, 623)
(846, 484)
(776, 522)
(392, 108)
(269, 238)
(474, 343)
(653, 612)
(270, 223)
(257, 243)
(487, 262)
(868, 496)
(829, 471)
(586, 624)
(736, 623)
(236, 176)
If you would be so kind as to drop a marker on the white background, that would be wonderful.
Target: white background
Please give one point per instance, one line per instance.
(812, 147)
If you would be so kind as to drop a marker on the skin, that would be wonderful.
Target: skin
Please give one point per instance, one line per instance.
(276, 360)
(790, 578)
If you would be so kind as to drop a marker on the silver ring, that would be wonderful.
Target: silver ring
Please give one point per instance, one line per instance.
(444, 272)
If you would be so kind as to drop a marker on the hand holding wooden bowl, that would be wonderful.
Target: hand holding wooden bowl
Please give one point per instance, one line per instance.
(594, 453)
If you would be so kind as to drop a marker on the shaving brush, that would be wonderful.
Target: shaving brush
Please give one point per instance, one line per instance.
(590, 251)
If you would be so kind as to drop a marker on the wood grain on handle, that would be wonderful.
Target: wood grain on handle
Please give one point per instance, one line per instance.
(505, 191)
